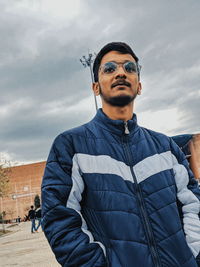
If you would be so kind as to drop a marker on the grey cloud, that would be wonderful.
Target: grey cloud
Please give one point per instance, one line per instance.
(32, 134)
(41, 76)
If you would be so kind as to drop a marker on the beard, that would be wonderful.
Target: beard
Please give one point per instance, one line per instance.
(118, 101)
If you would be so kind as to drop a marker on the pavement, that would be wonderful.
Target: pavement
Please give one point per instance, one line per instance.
(21, 248)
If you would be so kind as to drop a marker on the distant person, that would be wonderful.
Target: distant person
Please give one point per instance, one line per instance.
(115, 194)
(31, 216)
(18, 219)
(38, 217)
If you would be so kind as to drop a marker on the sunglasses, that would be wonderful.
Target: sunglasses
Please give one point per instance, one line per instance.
(111, 67)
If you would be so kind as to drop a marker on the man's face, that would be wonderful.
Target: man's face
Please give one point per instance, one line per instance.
(120, 87)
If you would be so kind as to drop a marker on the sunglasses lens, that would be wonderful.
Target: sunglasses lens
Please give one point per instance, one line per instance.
(109, 67)
(130, 67)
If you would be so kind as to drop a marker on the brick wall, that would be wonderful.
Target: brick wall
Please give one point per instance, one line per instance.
(25, 183)
(196, 141)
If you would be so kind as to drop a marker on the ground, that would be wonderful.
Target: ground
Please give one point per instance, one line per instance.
(21, 248)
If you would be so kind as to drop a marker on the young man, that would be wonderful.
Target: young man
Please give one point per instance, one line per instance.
(114, 193)
(31, 216)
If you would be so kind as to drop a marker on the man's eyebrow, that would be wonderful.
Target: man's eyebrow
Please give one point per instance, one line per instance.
(120, 62)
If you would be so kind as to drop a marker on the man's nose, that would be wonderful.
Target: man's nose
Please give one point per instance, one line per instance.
(120, 76)
(120, 73)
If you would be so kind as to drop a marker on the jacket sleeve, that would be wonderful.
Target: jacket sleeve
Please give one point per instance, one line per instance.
(188, 197)
(62, 222)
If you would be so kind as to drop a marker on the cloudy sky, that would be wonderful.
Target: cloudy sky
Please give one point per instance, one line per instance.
(45, 90)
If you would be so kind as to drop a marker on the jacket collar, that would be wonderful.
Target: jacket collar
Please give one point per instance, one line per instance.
(115, 126)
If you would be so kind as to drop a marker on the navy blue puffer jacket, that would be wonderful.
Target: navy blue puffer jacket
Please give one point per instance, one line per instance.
(119, 195)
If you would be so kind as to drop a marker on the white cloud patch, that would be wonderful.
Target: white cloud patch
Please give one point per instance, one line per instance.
(169, 120)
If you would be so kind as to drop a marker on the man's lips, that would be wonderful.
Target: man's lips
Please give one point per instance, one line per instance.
(121, 83)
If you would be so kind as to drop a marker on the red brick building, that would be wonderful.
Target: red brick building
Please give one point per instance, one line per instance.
(24, 183)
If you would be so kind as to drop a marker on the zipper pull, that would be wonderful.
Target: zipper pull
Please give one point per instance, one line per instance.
(126, 128)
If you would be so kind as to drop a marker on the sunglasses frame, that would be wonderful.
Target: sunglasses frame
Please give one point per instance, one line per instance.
(117, 64)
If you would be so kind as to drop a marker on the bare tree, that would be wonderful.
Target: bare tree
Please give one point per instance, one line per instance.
(4, 187)
(37, 201)
(4, 180)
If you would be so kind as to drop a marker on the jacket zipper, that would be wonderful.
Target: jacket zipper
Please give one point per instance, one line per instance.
(147, 226)
(126, 131)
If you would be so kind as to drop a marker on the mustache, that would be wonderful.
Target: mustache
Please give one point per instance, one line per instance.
(121, 82)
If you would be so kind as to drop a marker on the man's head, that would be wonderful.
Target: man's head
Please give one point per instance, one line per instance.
(116, 74)
(120, 47)
(32, 207)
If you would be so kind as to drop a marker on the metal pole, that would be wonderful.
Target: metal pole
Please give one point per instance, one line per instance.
(87, 62)
(95, 99)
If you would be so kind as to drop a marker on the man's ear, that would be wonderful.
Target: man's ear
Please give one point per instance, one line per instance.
(95, 88)
(139, 89)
